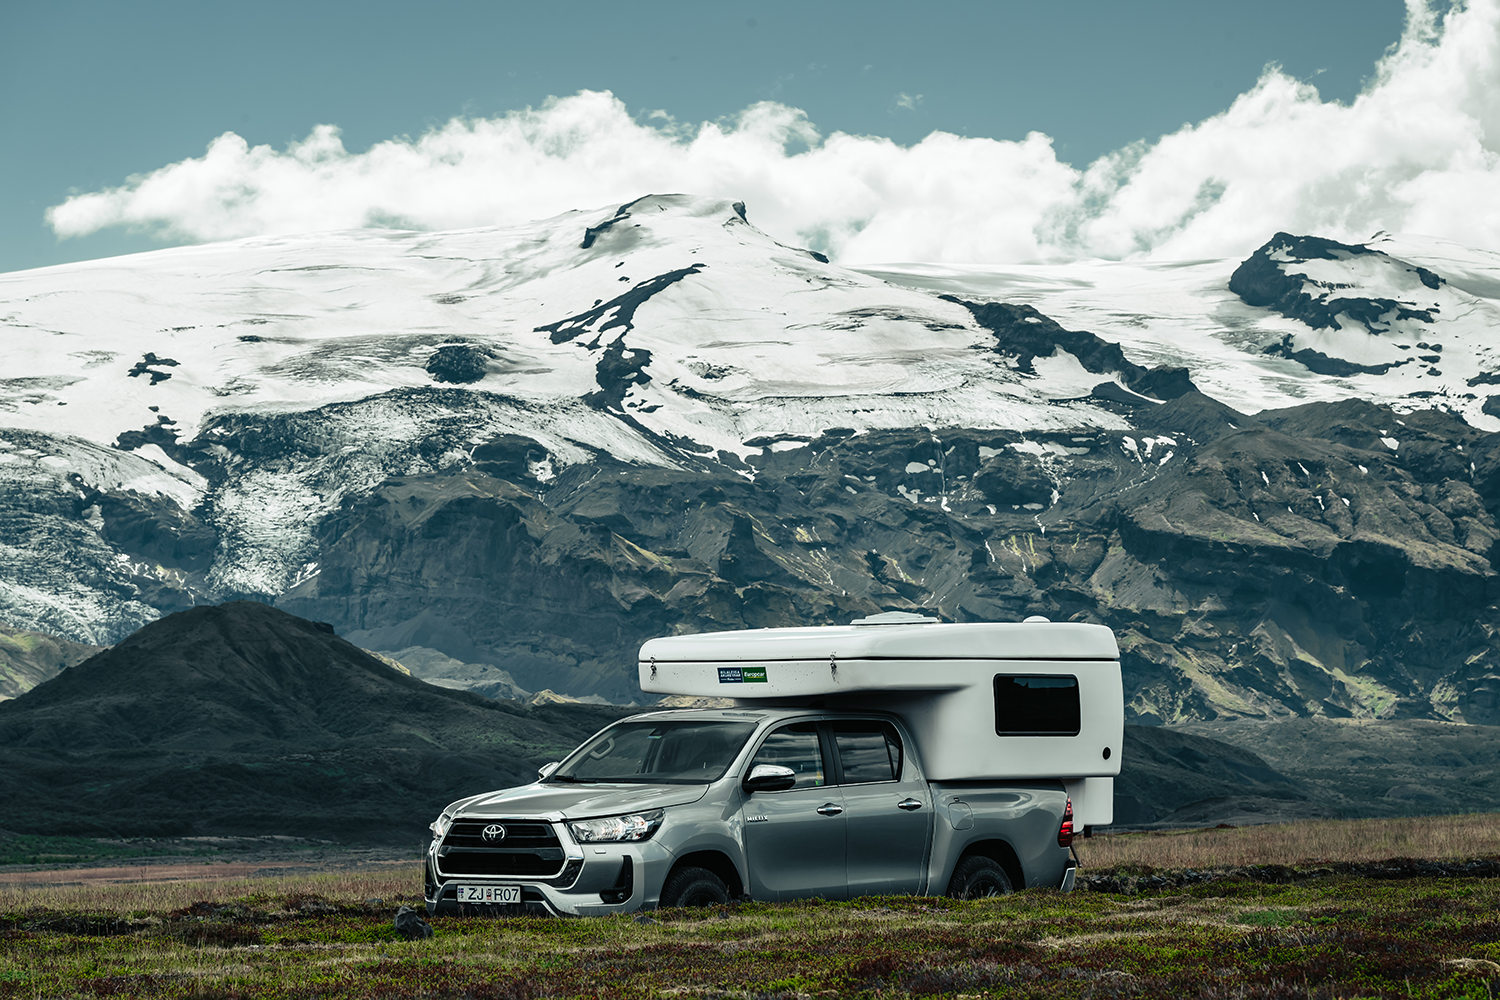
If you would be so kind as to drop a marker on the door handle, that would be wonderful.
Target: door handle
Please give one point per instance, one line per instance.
(829, 809)
(909, 804)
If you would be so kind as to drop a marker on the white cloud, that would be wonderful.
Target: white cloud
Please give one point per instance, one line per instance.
(1417, 151)
(908, 102)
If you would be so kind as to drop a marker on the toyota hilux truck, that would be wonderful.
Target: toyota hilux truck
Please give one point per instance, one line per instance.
(895, 755)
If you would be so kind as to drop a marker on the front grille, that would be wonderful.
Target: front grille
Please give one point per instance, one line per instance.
(529, 848)
(518, 833)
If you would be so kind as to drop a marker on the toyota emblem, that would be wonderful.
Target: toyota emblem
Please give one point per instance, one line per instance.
(492, 833)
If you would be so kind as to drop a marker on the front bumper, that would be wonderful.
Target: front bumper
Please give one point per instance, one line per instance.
(596, 880)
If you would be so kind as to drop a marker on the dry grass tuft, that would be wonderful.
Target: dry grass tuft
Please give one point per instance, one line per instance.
(1310, 842)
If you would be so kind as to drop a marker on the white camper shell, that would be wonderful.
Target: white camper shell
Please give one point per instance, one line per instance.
(985, 701)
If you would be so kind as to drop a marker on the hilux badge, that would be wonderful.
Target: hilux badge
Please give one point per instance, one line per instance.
(493, 832)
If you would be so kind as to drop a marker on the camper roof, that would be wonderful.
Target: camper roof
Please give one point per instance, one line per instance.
(888, 637)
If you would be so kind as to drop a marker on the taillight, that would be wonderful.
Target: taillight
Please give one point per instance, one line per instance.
(1065, 832)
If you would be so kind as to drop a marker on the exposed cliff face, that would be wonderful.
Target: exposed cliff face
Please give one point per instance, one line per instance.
(1290, 563)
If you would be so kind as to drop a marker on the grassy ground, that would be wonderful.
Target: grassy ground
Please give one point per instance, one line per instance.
(1319, 935)
(24, 849)
(1310, 842)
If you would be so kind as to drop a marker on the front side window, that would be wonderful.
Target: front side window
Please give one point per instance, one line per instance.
(797, 747)
(1036, 705)
(868, 750)
(673, 753)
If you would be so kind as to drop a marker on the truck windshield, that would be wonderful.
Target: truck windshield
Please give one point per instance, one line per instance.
(673, 753)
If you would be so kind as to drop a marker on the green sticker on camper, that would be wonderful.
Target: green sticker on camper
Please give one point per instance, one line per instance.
(742, 675)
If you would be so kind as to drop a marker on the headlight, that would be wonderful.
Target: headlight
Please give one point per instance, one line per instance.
(634, 826)
(439, 826)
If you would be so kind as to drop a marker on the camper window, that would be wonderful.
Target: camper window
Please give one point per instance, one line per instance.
(1036, 705)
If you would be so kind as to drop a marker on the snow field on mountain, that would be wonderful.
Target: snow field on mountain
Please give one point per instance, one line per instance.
(760, 338)
(1184, 314)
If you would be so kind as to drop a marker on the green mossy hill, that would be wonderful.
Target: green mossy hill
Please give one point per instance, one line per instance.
(242, 719)
(27, 658)
(1170, 778)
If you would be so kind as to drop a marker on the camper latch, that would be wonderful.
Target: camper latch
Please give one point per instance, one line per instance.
(833, 665)
(653, 667)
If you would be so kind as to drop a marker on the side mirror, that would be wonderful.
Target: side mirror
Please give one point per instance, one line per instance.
(769, 778)
(546, 769)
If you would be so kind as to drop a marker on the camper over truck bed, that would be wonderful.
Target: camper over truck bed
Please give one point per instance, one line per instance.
(984, 701)
(895, 755)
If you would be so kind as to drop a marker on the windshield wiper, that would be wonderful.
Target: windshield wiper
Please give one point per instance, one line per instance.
(571, 780)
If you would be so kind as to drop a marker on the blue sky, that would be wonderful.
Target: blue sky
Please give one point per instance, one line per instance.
(96, 92)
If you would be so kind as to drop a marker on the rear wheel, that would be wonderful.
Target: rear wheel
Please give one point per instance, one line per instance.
(978, 876)
(694, 887)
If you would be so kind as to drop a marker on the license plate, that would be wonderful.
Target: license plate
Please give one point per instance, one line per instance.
(501, 894)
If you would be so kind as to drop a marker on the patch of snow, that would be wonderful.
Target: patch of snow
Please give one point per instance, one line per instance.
(541, 470)
(1390, 443)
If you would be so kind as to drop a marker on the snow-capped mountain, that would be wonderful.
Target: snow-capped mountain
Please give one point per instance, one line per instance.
(532, 447)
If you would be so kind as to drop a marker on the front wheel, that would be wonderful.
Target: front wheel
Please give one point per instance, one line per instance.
(694, 887)
(977, 877)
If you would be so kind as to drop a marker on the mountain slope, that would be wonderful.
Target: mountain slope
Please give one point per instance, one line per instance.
(535, 447)
(244, 719)
(27, 658)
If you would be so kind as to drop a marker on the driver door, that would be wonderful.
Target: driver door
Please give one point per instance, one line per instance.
(795, 839)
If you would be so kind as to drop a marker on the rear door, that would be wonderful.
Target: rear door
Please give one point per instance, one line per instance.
(794, 839)
(887, 806)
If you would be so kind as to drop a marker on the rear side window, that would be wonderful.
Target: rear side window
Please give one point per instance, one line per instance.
(868, 750)
(1036, 705)
(797, 747)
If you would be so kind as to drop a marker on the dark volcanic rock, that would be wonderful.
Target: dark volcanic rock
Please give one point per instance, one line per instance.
(1269, 278)
(620, 310)
(244, 719)
(458, 363)
(1022, 331)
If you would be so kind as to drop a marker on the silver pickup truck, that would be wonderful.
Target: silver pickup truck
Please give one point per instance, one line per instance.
(699, 807)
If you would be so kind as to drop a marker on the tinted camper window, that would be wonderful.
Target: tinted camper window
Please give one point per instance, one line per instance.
(1030, 705)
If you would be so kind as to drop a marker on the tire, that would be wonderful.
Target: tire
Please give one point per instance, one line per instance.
(694, 887)
(977, 877)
